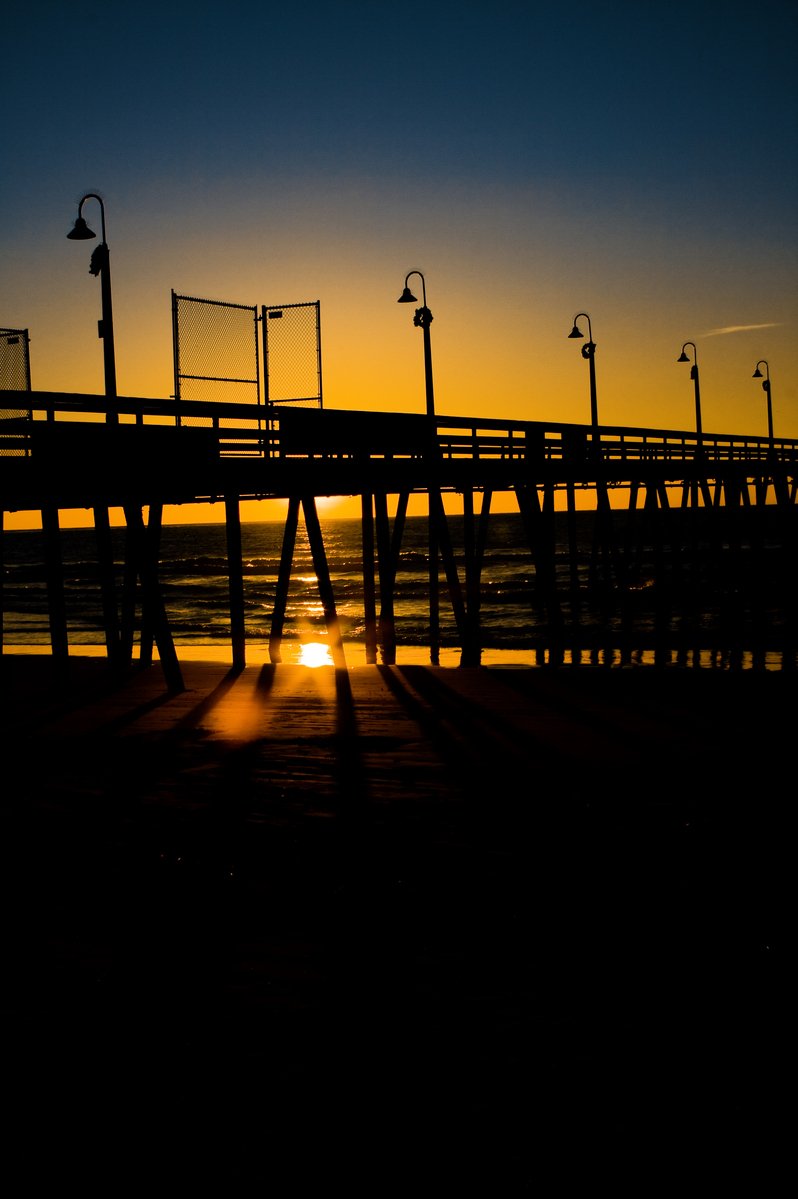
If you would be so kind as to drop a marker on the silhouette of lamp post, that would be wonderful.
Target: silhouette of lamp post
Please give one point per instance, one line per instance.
(588, 352)
(100, 265)
(694, 376)
(766, 388)
(422, 320)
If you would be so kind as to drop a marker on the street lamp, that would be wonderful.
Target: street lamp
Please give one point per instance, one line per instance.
(766, 388)
(100, 265)
(694, 376)
(422, 320)
(588, 352)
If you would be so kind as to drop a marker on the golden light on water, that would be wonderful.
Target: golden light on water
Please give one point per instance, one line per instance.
(315, 653)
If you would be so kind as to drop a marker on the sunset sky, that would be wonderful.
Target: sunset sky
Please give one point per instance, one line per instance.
(635, 162)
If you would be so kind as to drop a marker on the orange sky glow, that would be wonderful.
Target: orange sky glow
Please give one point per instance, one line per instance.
(645, 177)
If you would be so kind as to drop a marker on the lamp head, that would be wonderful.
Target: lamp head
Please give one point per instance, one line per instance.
(757, 374)
(407, 297)
(81, 231)
(682, 357)
(576, 331)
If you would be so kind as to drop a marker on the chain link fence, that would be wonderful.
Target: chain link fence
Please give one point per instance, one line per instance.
(14, 376)
(292, 354)
(216, 358)
(215, 353)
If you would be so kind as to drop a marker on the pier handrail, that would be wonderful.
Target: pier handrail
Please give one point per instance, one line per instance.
(246, 430)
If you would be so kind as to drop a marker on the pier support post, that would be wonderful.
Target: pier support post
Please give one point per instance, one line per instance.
(55, 581)
(283, 579)
(388, 546)
(105, 559)
(322, 569)
(474, 550)
(142, 564)
(369, 598)
(434, 600)
(235, 578)
(151, 546)
(443, 542)
(539, 529)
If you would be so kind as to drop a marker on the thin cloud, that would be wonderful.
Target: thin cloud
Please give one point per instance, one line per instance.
(741, 328)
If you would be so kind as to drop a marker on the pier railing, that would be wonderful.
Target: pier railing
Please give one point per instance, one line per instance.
(246, 431)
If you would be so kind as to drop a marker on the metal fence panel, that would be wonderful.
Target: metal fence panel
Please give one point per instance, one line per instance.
(292, 353)
(14, 376)
(14, 363)
(215, 352)
(216, 357)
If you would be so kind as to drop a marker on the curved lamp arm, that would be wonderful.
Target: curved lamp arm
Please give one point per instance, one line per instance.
(694, 376)
(766, 388)
(100, 265)
(422, 320)
(589, 348)
(407, 296)
(423, 316)
(758, 374)
(683, 358)
(81, 231)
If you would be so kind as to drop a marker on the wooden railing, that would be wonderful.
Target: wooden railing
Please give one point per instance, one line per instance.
(283, 431)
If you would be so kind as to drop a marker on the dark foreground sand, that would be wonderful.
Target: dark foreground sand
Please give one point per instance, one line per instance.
(404, 930)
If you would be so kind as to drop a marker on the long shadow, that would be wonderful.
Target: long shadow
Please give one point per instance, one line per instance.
(350, 775)
(482, 754)
(195, 715)
(206, 705)
(189, 720)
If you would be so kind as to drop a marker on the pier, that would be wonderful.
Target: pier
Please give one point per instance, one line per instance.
(674, 502)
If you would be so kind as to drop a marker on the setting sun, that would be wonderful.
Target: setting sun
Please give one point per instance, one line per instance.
(315, 653)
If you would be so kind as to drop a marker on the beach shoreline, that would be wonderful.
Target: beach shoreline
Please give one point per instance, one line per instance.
(292, 652)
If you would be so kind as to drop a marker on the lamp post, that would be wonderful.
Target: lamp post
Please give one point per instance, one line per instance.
(100, 265)
(766, 388)
(694, 376)
(588, 352)
(422, 320)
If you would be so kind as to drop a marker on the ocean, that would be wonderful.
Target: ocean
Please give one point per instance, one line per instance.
(193, 573)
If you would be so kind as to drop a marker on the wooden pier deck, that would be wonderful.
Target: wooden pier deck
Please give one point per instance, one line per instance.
(669, 494)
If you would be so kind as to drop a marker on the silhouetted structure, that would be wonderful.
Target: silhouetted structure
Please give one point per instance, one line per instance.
(14, 366)
(734, 515)
(100, 264)
(589, 353)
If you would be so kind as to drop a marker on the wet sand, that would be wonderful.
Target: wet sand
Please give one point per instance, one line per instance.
(404, 930)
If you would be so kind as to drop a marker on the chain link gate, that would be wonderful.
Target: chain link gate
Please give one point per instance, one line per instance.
(292, 353)
(14, 376)
(216, 356)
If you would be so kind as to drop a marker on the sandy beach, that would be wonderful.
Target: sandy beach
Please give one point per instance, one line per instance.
(397, 930)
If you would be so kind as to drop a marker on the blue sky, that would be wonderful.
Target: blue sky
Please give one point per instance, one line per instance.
(634, 162)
